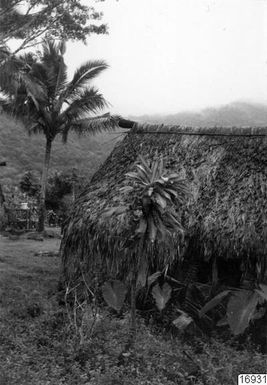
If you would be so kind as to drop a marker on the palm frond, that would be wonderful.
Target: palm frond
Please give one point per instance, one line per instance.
(87, 102)
(36, 128)
(83, 75)
(93, 125)
(16, 78)
(55, 68)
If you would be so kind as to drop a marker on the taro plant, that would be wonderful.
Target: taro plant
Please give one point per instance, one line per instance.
(114, 293)
(243, 307)
(161, 295)
(158, 198)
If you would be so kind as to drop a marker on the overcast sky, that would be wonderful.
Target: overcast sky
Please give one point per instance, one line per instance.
(167, 56)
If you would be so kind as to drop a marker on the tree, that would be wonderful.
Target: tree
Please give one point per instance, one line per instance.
(158, 197)
(62, 187)
(53, 105)
(29, 21)
(30, 184)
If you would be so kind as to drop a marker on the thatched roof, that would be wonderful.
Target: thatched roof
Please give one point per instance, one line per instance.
(226, 215)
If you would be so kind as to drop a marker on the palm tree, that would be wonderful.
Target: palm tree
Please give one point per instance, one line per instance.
(55, 106)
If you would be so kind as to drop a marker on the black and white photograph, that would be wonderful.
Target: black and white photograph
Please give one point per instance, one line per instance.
(133, 192)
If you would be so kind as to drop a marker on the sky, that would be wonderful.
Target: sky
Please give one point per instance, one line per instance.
(167, 56)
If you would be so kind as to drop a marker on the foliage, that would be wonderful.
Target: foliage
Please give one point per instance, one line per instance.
(161, 295)
(54, 106)
(160, 198)
(85, 153)
(243, 307)
(222, 217)
(214, 302)
(39, 346)
(182, 321)
(47, 93)
(35, 19)
(240, 310)
(30, 184)
(114, 293)
(59, 185)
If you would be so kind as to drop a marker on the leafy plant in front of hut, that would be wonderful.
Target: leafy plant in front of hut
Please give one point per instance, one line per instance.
(114, 293)
(243, 307)
(161, 295)
(159, 198)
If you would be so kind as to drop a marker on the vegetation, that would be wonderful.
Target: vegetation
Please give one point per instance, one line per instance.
(244, 307)
(26, 153)
(39, 347)
(156, 197)
(224, 241)
(33, 21)
(51, 105)
(215, 218)
(59, 185)
(161, 208)
(30, 184)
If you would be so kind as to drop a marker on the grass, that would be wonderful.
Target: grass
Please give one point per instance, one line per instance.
(38, 346)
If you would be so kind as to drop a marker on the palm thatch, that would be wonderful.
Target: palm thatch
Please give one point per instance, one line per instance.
(225, 217)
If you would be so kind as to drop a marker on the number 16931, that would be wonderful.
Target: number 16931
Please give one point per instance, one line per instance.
(248, 379)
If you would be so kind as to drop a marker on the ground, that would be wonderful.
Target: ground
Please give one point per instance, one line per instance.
(39, 347)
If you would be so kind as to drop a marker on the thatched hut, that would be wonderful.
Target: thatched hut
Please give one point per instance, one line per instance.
(225, 219)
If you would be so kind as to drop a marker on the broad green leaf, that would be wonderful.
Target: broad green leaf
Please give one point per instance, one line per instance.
(143, 173)
(161, 201)
(114, 293)
(161, 191)
(240, 310)
(154, 170)
(161, 295)
(150, 191)
(172, 191)
(213, 302)
(152, 230)
(144, 163)
(182, 321)
(161, 166)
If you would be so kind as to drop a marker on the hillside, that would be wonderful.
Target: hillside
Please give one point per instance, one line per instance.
(86, 153)
(23, 153)
(234, 114)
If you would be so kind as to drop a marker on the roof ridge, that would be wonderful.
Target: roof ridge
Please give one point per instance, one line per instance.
(223, 130)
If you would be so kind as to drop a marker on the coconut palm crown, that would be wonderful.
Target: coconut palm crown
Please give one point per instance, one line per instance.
(56, 106)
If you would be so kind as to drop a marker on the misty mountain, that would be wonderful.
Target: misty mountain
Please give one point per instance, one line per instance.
(235, 114)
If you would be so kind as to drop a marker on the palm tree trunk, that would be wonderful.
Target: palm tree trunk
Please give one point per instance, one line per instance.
(133, 304)
(42, 209)
(2, 209)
